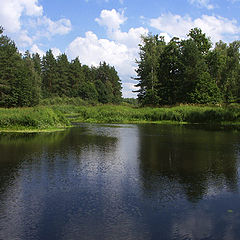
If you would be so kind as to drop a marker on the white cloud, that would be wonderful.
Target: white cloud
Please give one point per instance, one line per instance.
(202, 3)
(218, 28)
(12, 10)
(111, 19)
(174, 25)
(92, 51)
(48, 28)
(56, 52)
(130, 38)
(35, 49)
(24, 39)
(128, 88)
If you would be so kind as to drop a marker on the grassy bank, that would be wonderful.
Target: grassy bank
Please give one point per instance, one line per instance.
(57, 117)
(31, 119)
(178, 114)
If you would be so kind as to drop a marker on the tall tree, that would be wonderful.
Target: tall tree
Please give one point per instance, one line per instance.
(49, 75)
(147, 71)
(63, 79)
(170, 74)
(76, 77)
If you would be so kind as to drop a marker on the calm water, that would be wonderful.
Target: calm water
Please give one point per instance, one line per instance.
(120, 182)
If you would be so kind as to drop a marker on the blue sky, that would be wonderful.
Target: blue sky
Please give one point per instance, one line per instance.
(110, 30)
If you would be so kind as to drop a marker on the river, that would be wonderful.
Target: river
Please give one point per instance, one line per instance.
(118, 182)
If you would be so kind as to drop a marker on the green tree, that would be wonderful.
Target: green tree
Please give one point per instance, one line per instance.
(107, 84)
(63, 80)
(87, 91)
(147, 71)
(170, 74)
(49, 75)
(10, 61)
(76, 77)
(202, 41)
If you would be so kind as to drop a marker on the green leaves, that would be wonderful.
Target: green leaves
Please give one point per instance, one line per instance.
(188, 71)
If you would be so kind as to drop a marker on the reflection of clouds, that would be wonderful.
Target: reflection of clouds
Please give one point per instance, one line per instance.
(196, 225)
(20, 211)
(108, 172)
(203, 224)
(124, 228)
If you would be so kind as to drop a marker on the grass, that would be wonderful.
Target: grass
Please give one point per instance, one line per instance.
(31, 119)
(56, 117)
(178, 114)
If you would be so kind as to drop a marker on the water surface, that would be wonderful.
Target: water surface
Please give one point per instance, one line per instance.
(120, 182)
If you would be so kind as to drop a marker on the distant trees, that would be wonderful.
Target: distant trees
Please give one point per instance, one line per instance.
(187, 71)
(25, 79)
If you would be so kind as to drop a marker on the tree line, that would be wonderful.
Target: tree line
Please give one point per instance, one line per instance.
(27, 78)
(188, 70)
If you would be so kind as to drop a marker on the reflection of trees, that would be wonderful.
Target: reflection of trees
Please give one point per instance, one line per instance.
(41, 182)
(198, 160)
(48, 152)
(17, 148)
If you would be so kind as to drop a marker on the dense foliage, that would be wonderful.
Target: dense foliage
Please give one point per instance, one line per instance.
(188, 71)
(27, 79)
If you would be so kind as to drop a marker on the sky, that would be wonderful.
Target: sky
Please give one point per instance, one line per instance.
(110, 30)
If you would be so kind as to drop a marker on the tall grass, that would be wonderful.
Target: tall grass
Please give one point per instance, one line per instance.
(124, 114)
(55, 116)
(33, 118)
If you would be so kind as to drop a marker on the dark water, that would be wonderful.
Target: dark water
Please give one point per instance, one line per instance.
(120, 182)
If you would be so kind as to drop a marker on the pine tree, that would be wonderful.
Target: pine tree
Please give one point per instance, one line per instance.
(63, 80)
(76, 77)
(49, 75)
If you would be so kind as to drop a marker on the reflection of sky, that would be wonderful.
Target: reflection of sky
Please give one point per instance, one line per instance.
(94, 189)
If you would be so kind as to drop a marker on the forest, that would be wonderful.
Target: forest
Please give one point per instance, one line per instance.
(182, 81)
(189, 71)
(25, 79)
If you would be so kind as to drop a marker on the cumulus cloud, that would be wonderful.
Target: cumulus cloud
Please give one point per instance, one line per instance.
(56, 52)
(35, 49)
(111, 19)
(202, 3)
(12, 10)
(218, 28)
(11, 13)
(48, 28)
(92, 50)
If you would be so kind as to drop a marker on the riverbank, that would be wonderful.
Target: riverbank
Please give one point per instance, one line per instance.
(179, 114)
(36, 119)
(58, 117)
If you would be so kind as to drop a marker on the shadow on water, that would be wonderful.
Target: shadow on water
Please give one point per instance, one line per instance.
(120, 182)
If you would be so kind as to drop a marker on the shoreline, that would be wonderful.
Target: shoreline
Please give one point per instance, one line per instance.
(55, 118)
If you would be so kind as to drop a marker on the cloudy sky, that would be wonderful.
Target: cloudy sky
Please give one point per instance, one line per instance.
(109, 30)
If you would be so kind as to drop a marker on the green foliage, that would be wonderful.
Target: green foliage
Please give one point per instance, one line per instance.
(130, 101)
(32, 118)
(188, 71)
(19, 82)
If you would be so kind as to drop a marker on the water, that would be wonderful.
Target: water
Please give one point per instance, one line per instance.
(120, 182)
